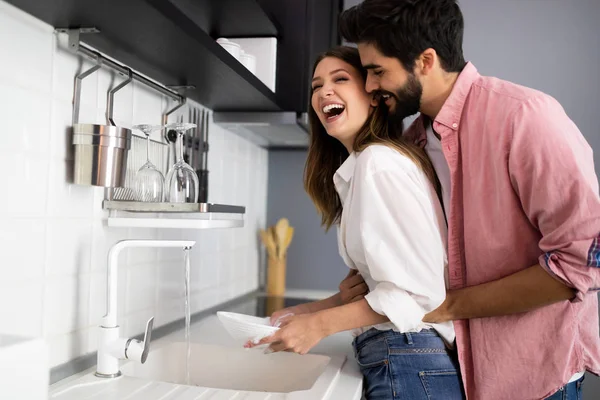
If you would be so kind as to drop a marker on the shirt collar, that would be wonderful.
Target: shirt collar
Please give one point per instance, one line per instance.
(343, 175)
(452, 109)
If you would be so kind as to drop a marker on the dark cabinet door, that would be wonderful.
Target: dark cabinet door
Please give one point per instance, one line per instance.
(306, 28)
(322, 28)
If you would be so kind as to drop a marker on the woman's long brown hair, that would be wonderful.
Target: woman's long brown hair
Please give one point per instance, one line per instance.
(326, 154)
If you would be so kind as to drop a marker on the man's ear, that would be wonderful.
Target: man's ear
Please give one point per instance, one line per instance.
(426, 61)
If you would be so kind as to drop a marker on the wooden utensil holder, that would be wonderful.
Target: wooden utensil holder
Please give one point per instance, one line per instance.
(275, 303)
(276, 276)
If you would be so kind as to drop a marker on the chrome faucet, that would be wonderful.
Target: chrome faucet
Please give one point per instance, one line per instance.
(111, 347)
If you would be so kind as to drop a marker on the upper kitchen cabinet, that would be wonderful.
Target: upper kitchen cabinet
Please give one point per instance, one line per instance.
(307, 28)
(229, 18)
(173, 42)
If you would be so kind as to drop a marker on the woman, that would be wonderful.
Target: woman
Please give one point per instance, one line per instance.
(381, 192)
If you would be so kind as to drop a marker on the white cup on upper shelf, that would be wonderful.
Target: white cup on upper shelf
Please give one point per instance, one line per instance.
(249, 61)
(232, 48)
(264, 50)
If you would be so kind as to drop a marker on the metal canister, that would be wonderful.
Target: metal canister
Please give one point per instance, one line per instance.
(100, 154)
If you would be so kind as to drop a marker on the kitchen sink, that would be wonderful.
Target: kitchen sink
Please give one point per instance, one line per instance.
(233, 368)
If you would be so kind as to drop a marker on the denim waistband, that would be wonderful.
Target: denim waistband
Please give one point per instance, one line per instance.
(373, 333)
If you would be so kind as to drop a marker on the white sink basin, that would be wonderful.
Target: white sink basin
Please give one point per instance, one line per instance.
(240, 369)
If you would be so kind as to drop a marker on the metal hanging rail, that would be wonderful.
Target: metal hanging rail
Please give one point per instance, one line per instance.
(77, 47)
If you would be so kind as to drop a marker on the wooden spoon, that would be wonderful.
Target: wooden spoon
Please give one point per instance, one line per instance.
(268, 242)
(288, 239)
(281, 231)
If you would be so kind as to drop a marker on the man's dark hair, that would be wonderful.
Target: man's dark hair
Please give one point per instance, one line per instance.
(406, 28)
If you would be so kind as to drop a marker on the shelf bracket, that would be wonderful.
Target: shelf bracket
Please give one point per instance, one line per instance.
(74, 34)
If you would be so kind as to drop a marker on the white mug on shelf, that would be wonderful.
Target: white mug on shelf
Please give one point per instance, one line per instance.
(249, 61)
(264, 51)
(232, 48)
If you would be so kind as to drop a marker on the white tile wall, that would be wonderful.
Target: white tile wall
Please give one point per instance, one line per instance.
(53, 235)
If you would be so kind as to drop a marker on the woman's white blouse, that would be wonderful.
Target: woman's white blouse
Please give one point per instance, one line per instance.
(393, 231)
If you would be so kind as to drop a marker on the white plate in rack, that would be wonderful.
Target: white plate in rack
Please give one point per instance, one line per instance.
(246, 327)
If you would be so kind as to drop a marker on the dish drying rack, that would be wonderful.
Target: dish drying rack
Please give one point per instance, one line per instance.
(159, 155)
(125, 212)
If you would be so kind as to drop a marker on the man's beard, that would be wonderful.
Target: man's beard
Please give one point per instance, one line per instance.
(407, 101)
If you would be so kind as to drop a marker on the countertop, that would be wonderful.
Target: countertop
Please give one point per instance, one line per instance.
(209, 330)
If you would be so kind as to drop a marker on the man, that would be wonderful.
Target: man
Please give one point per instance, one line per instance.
(520, 195)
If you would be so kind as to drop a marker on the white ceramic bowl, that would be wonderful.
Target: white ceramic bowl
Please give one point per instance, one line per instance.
(246, 327)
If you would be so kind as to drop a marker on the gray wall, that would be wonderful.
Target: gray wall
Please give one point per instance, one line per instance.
(550, 45)
(313, 259)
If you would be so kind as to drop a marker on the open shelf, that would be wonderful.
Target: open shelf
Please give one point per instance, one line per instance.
(131, 214)
(125, 219)
(165, 40)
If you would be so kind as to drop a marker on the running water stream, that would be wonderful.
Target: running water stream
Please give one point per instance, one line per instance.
(186, 255)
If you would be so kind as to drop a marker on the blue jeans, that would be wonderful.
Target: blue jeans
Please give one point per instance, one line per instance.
(571, 391)
(411, 366)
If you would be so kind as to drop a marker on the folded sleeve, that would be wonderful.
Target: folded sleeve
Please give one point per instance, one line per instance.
(404, 248)
(552, 170)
